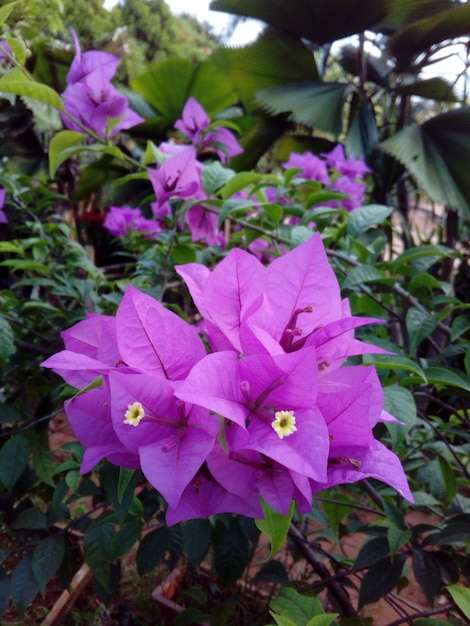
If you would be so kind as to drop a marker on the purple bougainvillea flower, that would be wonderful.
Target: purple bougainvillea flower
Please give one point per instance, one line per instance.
(352, 168)
(89, 415)
(194, 121)
(204, 225)
(311, 166)
(87, 63)
(204, 497)
(179, 176)
(171, 439)
(195, 126)
(120, 221)
(223, 142)
(3, 217)
(90, 97)
(5, 54)
(353, 188)
(154, 340)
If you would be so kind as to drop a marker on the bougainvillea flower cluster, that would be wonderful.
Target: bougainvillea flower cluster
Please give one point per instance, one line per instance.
(90, 97)
(336, 171)
(270, 412)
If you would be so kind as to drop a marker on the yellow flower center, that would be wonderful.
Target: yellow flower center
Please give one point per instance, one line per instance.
(284, 423)
(134, 414)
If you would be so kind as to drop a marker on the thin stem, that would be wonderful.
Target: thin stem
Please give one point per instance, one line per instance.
(409, 619)
(322, 571)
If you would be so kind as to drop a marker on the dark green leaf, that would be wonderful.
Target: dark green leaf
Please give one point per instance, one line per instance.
(381, 579)
(232, 554)
(315, 104)
(97, 550)
(47, 558)
(371, 552)
(364, 217)
(196, 539)
(188, 617)
(272, 571)
(125, 478)
(460, 326)
(397, 538)
(152, 549)
(32, 518)
(7, 340)
(427, 573)
(13, 460)
(400, 403)
(60, 148)
(321, 21)
(420, 325)
(42, 458)
(435, 153)
(362, 274)
(125, 539)
(435, 88)
(24, 586)
(421, 34)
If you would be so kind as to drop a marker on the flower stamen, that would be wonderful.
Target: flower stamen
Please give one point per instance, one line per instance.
(135, 414)
(284, 423)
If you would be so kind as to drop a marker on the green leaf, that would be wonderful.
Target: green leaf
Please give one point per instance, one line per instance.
(400, 363)
(461, 597)
(282, 621)
(362, 274)
(322, 21)
(322, 620)
(397, 538)
(97, 550)
(47, 558)
(6, 11)
(316, 104)
(371, 552)
(449, 477)
(24, 586)
(435, 153)
(59, 148)
(18, 48)
(420, 324)
(423, 33)
(183, 253)
(442, 377)
(364, 217)
(232, 553)
(152, 549)
(32, 518)
(7, 340)
(427, 573)
(400, 403)
(239, 182)
(125, 539)
(196, 539)
(460, 326)
(300, 234)
(125, 477)
(16, 82)
(381, 579)
(215, 176)
(42, 457)
(275, 525)
(336, 512)
(435, 88)
(296, 607)
(420, 252)
(13, 460)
